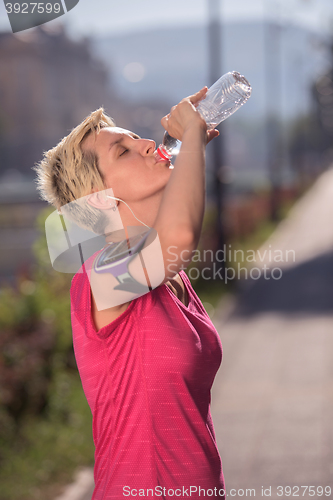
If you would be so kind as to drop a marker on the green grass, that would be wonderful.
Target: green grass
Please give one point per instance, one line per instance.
(47, 450)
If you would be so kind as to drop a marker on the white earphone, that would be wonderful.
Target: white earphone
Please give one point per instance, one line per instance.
(115, 208)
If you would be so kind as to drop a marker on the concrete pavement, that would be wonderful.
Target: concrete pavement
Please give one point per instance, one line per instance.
(82, 487)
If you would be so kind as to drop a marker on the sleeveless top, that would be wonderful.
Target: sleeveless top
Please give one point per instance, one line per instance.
(147, 377)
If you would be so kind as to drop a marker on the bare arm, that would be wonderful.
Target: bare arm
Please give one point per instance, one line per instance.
(179, 219)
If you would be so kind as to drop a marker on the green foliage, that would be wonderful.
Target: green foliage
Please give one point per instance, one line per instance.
(45, 422)
(51, 447)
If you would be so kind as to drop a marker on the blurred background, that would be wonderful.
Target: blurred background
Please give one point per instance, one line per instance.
(268, 186)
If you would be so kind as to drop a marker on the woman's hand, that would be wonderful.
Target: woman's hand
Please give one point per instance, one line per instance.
(185, 116)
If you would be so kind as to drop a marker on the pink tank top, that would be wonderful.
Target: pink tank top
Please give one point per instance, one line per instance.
(147, 378)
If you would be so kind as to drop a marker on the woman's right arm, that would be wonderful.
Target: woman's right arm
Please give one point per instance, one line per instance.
(179, 219)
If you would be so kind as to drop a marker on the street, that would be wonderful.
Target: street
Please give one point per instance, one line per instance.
(272, 400)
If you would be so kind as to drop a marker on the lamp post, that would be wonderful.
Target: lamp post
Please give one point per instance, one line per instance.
(215, 71)
(273, 128)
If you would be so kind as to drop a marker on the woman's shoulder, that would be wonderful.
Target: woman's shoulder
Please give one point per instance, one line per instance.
(84, 306)
(102, 321)
(106, 316)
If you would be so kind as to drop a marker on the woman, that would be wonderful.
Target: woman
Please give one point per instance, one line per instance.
(147, 365)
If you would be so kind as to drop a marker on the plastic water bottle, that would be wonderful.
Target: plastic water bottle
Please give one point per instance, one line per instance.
(223, 98)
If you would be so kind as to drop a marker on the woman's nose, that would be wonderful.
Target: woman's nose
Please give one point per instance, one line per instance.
(147, 147)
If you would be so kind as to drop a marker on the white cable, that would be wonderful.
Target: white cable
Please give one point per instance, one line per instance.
(114, 198)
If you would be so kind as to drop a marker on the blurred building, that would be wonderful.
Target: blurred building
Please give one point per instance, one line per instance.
(48, 84)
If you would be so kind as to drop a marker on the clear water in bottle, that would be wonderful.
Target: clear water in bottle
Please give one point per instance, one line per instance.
(223, 98)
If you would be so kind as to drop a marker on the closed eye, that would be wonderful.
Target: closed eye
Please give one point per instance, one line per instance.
(125, 151)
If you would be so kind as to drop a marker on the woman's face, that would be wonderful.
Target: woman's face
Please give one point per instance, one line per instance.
(128, 165)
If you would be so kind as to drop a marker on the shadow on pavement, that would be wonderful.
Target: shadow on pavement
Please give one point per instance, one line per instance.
(306, 288)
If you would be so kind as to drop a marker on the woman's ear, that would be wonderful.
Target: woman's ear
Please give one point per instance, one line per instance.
(100, 201)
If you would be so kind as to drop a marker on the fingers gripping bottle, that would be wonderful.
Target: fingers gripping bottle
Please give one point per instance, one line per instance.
(223, 98)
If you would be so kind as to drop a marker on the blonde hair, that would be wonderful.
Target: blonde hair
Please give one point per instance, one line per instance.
(67, 173)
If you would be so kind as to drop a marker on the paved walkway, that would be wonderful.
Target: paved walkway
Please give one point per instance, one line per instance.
(273, 396)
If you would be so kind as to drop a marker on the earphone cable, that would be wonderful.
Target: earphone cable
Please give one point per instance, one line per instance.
(114, 198)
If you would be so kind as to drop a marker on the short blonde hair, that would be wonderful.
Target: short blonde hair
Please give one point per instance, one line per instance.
(67, 173)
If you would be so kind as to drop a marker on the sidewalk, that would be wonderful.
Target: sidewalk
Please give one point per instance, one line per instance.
(273, 396)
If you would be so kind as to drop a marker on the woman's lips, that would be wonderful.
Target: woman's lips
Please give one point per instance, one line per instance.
(158, 159)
